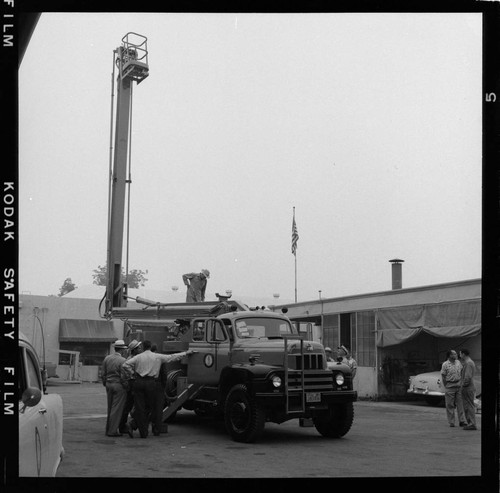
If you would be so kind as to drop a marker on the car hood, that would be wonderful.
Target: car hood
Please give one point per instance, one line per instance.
(431, 376)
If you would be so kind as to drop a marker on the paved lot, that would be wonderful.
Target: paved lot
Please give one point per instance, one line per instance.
(386, 440)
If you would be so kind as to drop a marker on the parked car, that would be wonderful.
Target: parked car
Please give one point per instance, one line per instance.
(428, 386)
(40, 417)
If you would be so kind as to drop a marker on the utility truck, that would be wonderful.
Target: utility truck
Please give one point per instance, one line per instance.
(250, 366)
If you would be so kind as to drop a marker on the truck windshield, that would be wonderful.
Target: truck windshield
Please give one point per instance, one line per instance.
(263, 327)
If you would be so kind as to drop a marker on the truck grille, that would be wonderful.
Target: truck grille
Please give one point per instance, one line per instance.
(311, 361)
(313, 381)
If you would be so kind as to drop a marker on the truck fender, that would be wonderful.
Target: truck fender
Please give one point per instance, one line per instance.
(245, 374)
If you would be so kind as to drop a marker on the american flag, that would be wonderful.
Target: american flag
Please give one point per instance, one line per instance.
(295, 234)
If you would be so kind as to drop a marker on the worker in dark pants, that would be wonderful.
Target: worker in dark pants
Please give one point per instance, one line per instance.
(161, 400)
(134, 347)
(147, 385)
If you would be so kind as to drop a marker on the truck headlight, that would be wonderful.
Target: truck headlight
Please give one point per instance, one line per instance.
(339, 379)
(276, 381)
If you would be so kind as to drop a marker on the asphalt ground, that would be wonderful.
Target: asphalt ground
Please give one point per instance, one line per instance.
(387, 439)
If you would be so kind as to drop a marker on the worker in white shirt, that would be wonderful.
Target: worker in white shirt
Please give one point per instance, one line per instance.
(147, 390)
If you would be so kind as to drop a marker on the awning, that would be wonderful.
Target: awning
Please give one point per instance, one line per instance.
(393, 337)
(73, 330)
(398, 325)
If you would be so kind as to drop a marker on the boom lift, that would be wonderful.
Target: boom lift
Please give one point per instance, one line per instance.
(251, 366)
(131, 60)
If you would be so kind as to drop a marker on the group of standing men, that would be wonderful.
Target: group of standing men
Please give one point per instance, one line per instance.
(132, 377)
(458, 381)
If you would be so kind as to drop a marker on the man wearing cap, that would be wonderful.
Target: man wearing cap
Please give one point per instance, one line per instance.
(196, 285)
(113, 380)
(134, 347)
(328, 352)
(348, 360)
(147, 386)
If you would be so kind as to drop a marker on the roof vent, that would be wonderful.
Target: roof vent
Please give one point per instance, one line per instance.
(397, 277)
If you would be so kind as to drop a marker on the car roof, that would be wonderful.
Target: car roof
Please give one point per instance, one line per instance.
(24, 341)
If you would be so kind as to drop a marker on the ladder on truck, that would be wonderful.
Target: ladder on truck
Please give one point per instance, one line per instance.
(188, 393)
(289, 393)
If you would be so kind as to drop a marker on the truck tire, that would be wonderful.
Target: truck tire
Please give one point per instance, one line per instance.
(171, 384)
(243, 417)
(171, 390)
(335, 422)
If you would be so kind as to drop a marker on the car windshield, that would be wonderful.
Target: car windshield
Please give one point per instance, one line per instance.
(263, 327)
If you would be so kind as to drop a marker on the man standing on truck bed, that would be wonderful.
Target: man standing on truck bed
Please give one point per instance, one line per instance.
(196, 285)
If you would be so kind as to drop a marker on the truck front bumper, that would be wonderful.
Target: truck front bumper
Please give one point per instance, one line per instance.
(313, 400)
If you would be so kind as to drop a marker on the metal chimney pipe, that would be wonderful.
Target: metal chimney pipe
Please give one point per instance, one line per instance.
(397, 277)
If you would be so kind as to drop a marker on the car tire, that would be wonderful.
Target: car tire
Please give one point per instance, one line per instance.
(243, 417)
(335, 422)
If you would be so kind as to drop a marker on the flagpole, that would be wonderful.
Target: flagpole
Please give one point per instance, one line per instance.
(295, 237)
(295, 277)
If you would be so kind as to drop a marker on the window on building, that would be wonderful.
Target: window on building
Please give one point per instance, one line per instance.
(346, 330)
(91, 353)
(331, 331)
(365, 338)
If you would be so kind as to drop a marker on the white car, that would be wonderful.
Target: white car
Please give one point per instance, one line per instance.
(40, 418)
(429, 387)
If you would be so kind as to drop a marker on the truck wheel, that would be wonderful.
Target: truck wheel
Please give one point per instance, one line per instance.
(243, 417)
(171, 387)
(335, 422)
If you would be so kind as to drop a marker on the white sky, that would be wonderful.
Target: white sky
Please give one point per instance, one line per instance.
(369, 124)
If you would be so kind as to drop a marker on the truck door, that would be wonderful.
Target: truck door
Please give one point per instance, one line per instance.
(212, 353)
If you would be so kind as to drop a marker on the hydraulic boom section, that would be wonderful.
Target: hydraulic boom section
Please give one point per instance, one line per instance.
(131, 60)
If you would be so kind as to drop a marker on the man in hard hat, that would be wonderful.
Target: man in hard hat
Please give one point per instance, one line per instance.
(113, 380)
(196, 285)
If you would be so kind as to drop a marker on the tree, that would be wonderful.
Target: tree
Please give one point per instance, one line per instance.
(67, 287)
(136, 278)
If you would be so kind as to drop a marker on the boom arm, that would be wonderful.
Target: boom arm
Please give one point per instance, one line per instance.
(132, 61)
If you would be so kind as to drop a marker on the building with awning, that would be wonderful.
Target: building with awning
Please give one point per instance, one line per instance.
(396, 333)
(392, 334)
(68, 333)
